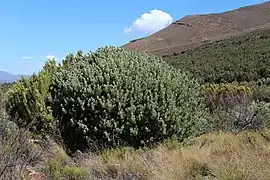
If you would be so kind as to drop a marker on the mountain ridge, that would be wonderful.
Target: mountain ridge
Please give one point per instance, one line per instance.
(194, 30)
(6, 77)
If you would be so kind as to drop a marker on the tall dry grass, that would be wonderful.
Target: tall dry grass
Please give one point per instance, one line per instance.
(222, 156)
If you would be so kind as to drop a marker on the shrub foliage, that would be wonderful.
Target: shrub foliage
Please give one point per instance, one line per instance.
(116, 96)
(29, 99)
(226, 95)
(236, 106)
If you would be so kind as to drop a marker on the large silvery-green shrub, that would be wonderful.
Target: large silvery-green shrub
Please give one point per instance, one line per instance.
(116, 96)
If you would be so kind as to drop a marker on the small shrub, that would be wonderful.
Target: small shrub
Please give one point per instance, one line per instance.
(75, 173)
(17, 152)
(233, 107)
(60, 166)
(226, 95)
(30, 100)
(254, 116)
(52, 170)
(114, 96)
(260, 92)
(4, 87)
(55, 165)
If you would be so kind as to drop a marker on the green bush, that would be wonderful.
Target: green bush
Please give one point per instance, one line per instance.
(3, 91)
(4, 87)
(60, 166)
(226, 95)
(29, 100)
(236, 106)
(260, 92)
(75, 173)
(253, 116)
(114, 96)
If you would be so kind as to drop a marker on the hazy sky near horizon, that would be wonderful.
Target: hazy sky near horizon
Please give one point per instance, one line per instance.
(32, 31)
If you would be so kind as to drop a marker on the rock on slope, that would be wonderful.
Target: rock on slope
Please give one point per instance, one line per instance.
(195, 30)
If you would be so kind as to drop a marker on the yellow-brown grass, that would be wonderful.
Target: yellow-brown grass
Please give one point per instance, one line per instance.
(219, 156)
(222, 156)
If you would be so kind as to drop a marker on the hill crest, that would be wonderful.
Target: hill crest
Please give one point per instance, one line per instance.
(194, 30)
(8, 78)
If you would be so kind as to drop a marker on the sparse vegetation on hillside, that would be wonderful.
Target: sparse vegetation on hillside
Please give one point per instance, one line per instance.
(243, 58)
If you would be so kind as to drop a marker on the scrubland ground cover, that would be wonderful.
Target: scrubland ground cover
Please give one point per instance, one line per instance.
(222, 156)
(117, 114)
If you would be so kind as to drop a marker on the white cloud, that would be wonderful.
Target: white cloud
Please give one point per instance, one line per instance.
(48, 57)
(150, 22)
(51, 57)
(27, 57)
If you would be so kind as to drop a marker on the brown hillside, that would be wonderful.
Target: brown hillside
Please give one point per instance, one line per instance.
(195, 30)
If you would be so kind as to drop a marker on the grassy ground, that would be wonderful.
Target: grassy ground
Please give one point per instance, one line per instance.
(221, 156)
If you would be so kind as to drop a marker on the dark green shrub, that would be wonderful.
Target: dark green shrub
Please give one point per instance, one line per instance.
(116, 96)
(260, 92)
(29, 99)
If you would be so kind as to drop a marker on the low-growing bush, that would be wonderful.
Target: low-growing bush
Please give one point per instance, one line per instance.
(226, 95)
(29, 100)
(113, 96)
(260, 91)
(75, 173)
(236, 106)
(17, 152)
(4, 87)
(61, 166)
(253, 116)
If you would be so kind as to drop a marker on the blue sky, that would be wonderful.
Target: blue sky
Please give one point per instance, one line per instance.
(32, 30)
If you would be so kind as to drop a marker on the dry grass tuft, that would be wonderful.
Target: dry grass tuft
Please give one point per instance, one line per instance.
(222, 156)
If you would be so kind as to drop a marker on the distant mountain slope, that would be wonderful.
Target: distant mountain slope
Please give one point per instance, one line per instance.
(192, 31)
(6, 77)
(240, 58)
